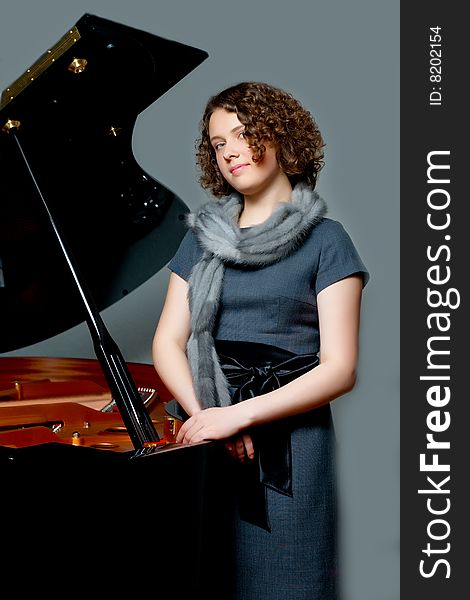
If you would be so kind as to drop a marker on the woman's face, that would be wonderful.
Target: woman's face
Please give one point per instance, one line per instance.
(235, 158)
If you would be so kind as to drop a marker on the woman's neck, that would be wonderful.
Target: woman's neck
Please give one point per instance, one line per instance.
(259, 206)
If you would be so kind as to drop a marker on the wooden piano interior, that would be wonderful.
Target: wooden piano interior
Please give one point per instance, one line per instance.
(67, 400)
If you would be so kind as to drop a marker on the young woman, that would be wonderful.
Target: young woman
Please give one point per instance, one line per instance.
(259, 333)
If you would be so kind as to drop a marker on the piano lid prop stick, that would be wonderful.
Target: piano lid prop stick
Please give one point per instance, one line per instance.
(138, 422)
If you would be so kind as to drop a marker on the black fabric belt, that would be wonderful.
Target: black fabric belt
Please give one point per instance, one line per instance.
(253, 369)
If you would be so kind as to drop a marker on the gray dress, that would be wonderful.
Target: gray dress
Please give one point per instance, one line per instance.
(276, 305)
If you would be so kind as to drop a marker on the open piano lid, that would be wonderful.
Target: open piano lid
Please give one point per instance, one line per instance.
(77, 106)
(80, 518)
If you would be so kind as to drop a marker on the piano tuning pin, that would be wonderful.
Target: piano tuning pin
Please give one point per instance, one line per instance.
(77, 439)
(171, 426)
(19, 389)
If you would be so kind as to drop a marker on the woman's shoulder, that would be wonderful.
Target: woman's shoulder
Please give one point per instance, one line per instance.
(189, 239)
(337, 253)
(330, 226)
(187, 255)
(328, 231)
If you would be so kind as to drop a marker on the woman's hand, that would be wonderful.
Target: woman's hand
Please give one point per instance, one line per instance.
(241, 447)
(210, 424)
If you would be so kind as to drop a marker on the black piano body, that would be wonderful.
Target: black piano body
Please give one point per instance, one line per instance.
(94, 522)
(79, 517)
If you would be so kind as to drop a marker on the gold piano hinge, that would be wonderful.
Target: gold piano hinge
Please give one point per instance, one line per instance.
(43, 63)
(10, 124)
(78, 65)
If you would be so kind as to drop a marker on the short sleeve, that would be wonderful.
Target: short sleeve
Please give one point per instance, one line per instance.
(187, 255)
(338, 256)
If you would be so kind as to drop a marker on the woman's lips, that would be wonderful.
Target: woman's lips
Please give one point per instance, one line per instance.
(237, 168)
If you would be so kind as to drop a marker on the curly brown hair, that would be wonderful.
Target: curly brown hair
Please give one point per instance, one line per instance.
(270, 115)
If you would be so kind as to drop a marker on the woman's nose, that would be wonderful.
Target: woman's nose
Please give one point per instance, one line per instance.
(230, 151)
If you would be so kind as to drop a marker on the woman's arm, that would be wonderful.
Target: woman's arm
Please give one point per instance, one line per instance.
(169, 358)
(339, 313)
(169, 345)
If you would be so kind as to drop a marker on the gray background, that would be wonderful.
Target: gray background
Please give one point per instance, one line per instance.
(341, 59)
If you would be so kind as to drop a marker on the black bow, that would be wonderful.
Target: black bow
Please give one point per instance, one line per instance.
(273, 467)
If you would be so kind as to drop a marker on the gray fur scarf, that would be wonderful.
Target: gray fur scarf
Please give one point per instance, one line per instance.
(215, 225)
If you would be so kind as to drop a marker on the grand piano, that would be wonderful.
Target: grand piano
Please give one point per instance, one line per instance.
(95, 492)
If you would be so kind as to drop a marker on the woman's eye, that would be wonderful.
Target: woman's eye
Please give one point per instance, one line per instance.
(218, 146)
